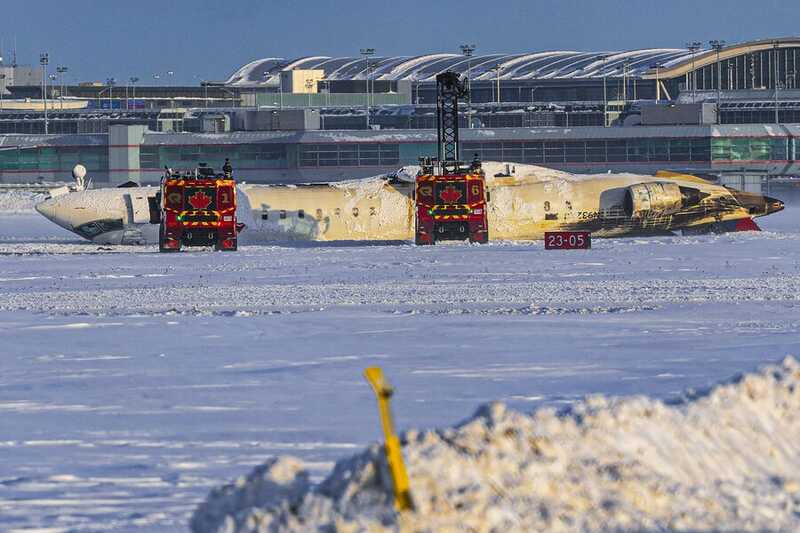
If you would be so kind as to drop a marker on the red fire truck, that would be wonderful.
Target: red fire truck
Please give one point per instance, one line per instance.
(450, 196)
(451, 207)
(198, 208)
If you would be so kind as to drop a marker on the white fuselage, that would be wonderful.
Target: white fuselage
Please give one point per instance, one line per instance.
(522, 205)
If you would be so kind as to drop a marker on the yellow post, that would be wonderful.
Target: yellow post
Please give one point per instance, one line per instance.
(394, 455)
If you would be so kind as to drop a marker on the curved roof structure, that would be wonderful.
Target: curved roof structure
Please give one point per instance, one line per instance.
(525, 66)
(707, 57)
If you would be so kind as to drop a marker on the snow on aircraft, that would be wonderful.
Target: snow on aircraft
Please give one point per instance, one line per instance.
(525, 201)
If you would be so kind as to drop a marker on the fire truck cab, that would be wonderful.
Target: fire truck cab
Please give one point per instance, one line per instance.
(450, 196)
(198, 208)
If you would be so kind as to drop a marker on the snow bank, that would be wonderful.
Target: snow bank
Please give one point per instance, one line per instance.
(725, 459)
(19, 202)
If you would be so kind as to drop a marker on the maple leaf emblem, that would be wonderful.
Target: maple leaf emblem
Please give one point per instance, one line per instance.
(199, 200)
(450, 195)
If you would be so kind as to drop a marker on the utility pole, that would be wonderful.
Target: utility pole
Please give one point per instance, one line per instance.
(367, 53)
(718, 45)
(44, 59)
(467, 50)
(693, 47)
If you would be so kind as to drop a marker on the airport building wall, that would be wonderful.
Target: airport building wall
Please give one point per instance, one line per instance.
(132, 153)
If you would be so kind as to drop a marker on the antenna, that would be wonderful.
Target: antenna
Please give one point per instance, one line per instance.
(14, 54)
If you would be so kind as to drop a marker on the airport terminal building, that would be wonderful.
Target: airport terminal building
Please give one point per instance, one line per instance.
(732, 112)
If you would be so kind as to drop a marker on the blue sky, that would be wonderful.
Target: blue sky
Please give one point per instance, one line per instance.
(202, 39)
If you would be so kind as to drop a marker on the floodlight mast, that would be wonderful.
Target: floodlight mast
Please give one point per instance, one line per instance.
(693, 47)
(449, 88)
(468, 50)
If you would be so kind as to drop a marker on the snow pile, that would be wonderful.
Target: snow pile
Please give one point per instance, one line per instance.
(19, 202)
(728, 459)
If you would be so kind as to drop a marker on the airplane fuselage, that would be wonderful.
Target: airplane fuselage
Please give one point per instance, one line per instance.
(522, 206)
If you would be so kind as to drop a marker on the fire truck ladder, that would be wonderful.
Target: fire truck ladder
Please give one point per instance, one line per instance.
(449, 88)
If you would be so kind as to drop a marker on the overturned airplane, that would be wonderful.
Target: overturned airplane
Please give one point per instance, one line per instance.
(524, 202)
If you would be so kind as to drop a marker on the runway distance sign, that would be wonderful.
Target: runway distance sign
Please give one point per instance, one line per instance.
(567, 240)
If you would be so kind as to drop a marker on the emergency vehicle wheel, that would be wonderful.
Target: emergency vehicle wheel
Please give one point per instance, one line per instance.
(162, 241)
(219, 248)
(419, 242)
(164, 249)
(480, 238)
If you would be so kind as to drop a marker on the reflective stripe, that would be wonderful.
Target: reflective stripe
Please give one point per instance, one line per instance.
(450, 217)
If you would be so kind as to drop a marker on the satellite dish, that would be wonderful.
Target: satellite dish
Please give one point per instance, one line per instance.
(79, 173)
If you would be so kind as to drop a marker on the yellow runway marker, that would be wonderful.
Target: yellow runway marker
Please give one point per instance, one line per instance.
(394, 455)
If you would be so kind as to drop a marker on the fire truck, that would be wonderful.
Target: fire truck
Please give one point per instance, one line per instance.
(198, 208)
(450, 196)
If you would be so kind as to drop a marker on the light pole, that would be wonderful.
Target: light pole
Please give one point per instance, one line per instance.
(44, 59)
(730, 76)
(265, 76)
(624, 82)
(693, 47)
(170, 73)
(658, 67)
(156, 82)
(496, 69)
(204, 84)
(718, 45)
(61, 75)
(2, 89)
(777, 83)
(367, 53)
(531, 109)
(467, 50)
(327, 92)
(132, 80)
(110, 82)
(53, 83)
(605, 92)
(309, 86)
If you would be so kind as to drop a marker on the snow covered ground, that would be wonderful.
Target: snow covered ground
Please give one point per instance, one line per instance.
(133, 382)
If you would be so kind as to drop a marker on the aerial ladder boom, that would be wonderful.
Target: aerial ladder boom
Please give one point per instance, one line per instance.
(449, 88)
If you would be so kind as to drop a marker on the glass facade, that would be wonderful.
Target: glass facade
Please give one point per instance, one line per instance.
(594, 151)
(749, 149)
(556, 152)
(243, 156)
(255, 156)
(54, 158)
(349, 155)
